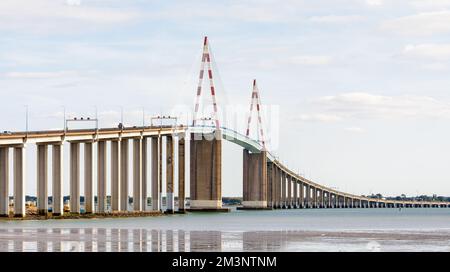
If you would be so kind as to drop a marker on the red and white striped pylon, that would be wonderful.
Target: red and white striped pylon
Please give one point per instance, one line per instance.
(256, 101)
(206, 60)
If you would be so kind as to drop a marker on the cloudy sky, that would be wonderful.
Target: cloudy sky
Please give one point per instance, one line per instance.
(357, 90)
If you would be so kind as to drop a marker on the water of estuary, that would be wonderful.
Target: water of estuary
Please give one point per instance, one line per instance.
(278, 230)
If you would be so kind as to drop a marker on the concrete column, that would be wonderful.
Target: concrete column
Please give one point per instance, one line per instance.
(19, 181)
(278, 188)
(322, 199)
(295, 184)
(137, 174)
(170, 161)
(57, 179)
(123, 188)
(144, 175)
(301, 194)
(155, 174)
(74, 177)
(254, 180)
(4, 181)
(42, 176)
(160, 171)
(269, 185)
(88, 178)
(289, 191)
(307, 196)
(115, 175)
(319, 198)
(273, 186)
(101, 176)
(315, 202)
(206, 171)
(181, 173)
(283, 191)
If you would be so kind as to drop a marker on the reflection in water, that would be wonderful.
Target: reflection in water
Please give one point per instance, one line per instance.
(102, 239)
(155, 240)
(181, 246)
(205, 241)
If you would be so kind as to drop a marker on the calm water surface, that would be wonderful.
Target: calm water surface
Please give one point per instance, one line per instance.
(278, 230)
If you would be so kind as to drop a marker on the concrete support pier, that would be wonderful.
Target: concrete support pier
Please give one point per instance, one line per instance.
(181, 173)
(144, 174)
(314, 198)
(155, 173)
(88, 177)
(308, 196)
(301, 195)
(289, 192)
(269, 186)
(295, 202)
(57, 179)
(170, 161)
(75, 177)
(206, 172)
(283, 191)
(123, 188)
(254, 180)
(137, 174)
(278, 186)
(19, 181)
(101, 176)
(42, 176)
(322, 198)
(4, 181)
(272, 185)
(115, 175)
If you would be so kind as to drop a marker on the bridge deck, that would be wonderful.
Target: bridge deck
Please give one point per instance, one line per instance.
(19, 138)
(16, 138)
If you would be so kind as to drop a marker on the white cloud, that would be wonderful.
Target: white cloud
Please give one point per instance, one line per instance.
(439, 52)
(311, 60)
(40, 75)
(430, 4)
(435, 66)
(360, 105)
(73, 2)
(354, 129)
(301, 60)
(425, 23)
(337, 19)
(319, 117)
(374, 2)
(50, 15)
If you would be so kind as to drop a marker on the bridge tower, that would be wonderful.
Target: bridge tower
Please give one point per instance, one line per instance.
(206, 149)
(255, 175)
